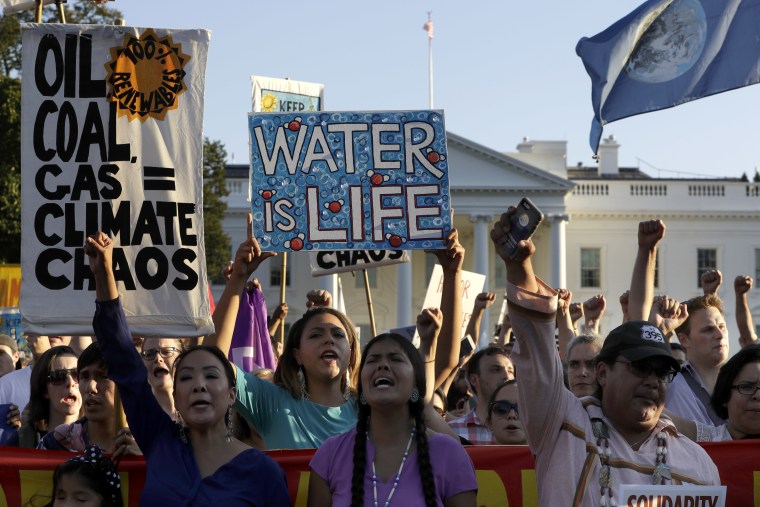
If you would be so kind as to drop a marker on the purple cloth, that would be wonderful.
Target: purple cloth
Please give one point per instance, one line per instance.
(251, 347)
(453, 471)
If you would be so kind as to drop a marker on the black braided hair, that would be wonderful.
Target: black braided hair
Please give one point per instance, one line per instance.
(415, 410)
(360, 456)
(423, 453)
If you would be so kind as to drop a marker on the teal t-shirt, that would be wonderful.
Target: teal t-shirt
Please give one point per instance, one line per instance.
(288, 423)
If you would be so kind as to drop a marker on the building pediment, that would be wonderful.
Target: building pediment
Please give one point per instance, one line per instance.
(473, 166)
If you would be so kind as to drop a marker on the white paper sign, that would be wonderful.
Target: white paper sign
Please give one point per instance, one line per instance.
(112, 140)
(326, 262)
(640, 495)
(472, 285)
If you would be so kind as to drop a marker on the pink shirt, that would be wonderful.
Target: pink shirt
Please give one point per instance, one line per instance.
(558, 425)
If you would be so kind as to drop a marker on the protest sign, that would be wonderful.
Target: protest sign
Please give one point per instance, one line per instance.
(349, 180)
(10, 284)
(112, 141)
(272, 95)
(472, 285)
(325, 262)
(682, 495)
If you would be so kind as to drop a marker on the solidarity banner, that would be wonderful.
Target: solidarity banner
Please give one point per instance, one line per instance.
(506, 474)
(112, 141)
(349, 180)
(326, 262)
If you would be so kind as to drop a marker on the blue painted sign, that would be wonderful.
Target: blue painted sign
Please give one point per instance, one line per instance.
(349, 180)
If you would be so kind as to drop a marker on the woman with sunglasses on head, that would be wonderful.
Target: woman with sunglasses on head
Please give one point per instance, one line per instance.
(195, 461)
(54, 397)
(391, 458)
(504, 416)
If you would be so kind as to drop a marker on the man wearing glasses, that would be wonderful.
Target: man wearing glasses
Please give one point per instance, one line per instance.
(586, 448)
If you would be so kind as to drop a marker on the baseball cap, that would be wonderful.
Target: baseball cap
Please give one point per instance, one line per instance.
(636, 340)
(8, 342)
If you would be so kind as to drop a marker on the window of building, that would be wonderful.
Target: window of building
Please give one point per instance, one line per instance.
(430, 261)
(275, 275)
(707, 259)
(757, 266)
(591, 267)
(371, 278)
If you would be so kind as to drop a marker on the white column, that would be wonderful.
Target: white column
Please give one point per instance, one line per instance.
(330, 284)
(481, 242)
(404, 294)
(559, 254)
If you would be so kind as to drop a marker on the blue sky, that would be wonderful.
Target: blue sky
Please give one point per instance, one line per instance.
(502, 71)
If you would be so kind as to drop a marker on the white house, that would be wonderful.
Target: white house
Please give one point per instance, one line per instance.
(587, 242)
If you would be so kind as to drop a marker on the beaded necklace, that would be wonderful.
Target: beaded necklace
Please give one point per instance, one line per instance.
(660, 474)
(398, 474)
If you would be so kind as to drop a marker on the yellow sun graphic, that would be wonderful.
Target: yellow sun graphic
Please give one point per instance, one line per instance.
(146, 76)
(268, 102)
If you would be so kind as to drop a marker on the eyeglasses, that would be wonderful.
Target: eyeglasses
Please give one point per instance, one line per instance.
(642, 369)
(502, 408)
(150, 354)
(60, 377)
(746, 388)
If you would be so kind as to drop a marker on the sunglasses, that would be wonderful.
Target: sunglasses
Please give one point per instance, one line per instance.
(502, 408)
(643, 368)
(150, 354)
(60, 377)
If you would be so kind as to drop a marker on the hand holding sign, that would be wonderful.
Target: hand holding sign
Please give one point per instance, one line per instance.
(248, 256)
(451, 257)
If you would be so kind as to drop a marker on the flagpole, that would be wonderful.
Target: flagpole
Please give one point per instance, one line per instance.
(429, 28)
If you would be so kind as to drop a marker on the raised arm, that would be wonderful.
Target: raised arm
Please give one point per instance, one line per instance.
(640, 298)
(565, 330)
(483, 301)
(247, 259)
(711, 281)
(593, 309)
(668, 314)
(447, 354)
(747, 335)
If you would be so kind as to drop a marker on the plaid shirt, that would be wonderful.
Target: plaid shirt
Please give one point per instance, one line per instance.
(469, 426)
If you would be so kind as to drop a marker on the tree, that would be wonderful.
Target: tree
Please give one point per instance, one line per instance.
(79, 11)
(756, 179)
(214, 190)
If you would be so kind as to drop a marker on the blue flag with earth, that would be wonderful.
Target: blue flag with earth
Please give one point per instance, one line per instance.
(667, 52)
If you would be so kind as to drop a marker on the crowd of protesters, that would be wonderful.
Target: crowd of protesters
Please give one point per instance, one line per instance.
(389, 422)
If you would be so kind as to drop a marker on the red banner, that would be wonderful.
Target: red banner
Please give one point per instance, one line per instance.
(506, 474)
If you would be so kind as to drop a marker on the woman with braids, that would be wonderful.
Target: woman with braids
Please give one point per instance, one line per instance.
(313, 396)
(391, 458)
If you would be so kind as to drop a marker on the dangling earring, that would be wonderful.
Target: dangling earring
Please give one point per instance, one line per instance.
(229, 423)
(362, 399)
(181, 423)
(347, 389)
(302, 383)
(415, 397)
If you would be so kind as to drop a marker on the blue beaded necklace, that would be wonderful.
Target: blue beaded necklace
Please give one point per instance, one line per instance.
(398, 474)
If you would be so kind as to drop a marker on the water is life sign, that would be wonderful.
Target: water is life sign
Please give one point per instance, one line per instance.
(349, 180)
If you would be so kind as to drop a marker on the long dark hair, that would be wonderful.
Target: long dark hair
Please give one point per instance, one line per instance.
(415, 410)
(727, 375)
(286, 374)
(39, 403)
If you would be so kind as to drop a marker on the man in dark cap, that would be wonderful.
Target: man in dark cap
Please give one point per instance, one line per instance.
(586, 447)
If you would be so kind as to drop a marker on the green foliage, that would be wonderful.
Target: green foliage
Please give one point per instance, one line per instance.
(10, 169)
(77, 11)
(214, 190)
(756, 179)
